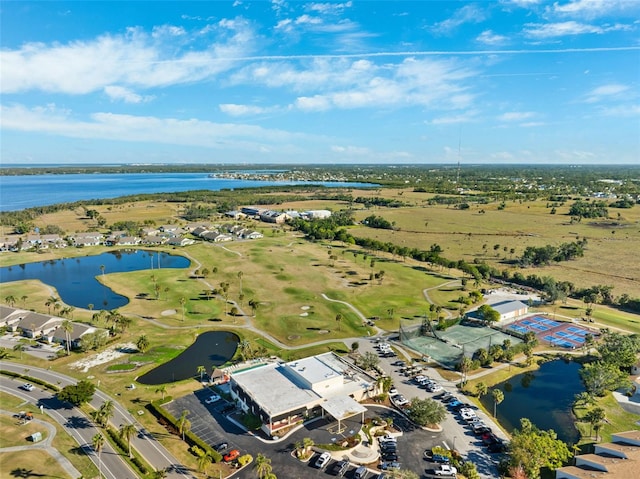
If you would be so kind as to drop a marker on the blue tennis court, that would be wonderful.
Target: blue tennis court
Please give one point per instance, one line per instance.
(555, 333)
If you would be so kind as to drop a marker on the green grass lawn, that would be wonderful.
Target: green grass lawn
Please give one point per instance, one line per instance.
(617, 420)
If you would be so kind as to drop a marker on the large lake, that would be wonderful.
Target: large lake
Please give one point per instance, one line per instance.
(20, 192)
(75, 278)
(543, 396)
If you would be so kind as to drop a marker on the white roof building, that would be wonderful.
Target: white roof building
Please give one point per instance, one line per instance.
(282, 394)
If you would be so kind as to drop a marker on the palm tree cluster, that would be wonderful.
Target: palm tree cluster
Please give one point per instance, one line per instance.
(104, 413)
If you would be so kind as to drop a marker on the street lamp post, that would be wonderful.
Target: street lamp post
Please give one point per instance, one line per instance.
(454, 442)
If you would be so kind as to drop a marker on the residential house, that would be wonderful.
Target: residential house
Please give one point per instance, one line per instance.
(153, 240)
(236, 215)
(180, 241)
(10, 243)
(251, 211)
(86, 239)
(10, 317)
(59, 335)
(252, 235)
(34, 325)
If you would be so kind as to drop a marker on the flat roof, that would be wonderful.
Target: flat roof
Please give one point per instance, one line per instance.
(504, 307)
(315, 369)
(342, 407)
(273, 390)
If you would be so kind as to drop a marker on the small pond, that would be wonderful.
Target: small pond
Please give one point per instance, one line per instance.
(75, 278)
(210, 349)
(544, 396)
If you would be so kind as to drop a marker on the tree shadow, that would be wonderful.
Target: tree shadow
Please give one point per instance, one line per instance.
(78, 422)
(23, 472)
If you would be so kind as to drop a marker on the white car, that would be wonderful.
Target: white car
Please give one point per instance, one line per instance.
(393, 392)
(445, 470)
(323, 460)
(27, 387)
(211, 399)
(399, 400)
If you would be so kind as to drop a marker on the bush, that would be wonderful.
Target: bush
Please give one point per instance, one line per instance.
(196, 451)
(244, 460)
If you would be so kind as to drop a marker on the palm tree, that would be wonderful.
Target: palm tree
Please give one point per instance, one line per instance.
(240, 275)
(67, 327)
(183, 301)
(307, 444)
(245, 349)
(127, 431)
(201, 370)
(254, 305)
(263, 465)
(162, 389)
(24, 300)
(142, 343)
(103, 414)
(481, 389)
(102, 268)
(98, 443)
(204, 461)
(10, 300)
(19, 348)
(339, 321)
(498, 397)
(183, 423)
(52, 301)
(595, 417)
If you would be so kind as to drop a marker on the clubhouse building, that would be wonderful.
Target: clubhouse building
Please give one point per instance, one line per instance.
(285, 394)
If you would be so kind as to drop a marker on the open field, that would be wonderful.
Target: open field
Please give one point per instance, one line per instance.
(34, 463)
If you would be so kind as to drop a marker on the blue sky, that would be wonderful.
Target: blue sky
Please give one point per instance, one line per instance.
(506, 81)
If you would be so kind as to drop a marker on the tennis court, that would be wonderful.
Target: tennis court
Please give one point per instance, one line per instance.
(556, 333)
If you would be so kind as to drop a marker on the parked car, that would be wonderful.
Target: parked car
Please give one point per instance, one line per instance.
(445, 470)
(232, 455)
(360, 473)
(223, 446)
(433, 388)
(441, 459)
(393, 391)
(340, 467)
(213, 398)
(389, 456)
(399, 400)
(322, 460)
(489, 438)
(387, 466)
(497, 447)
(27, 387)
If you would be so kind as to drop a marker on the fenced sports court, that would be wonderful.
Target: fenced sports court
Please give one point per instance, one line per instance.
(555, 333)
(447, 347)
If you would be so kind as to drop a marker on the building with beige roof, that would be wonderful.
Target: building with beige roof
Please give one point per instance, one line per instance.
(618, 459)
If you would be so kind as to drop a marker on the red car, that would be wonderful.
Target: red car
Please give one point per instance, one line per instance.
(232, 455)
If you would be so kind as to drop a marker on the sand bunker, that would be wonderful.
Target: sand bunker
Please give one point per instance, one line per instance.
(168, 312)
(304, 314)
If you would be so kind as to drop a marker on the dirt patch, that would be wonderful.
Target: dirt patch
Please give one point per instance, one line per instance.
(323, 331)
(293, 337)
(106, 356)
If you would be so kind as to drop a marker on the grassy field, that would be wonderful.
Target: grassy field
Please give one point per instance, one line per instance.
(14, 433)
(616, 420)
(40, 463)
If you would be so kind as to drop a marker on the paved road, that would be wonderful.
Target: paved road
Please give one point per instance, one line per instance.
(143, 442)
(76, 424)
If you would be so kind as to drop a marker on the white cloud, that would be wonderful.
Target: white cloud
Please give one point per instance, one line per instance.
(329, 8)
(622, 111)
(118, 93)
(592, 8)
(350, 150)
(489, 38)
(168, 30)
(135, 59)
(605, 92)
(559, 29)
(110, 126)
(467, 14)
(516, 116)
(242, 110)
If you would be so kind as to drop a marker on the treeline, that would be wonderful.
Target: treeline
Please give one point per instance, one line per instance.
(589, 209)
(379, 222)
(544, 255)
(377, 201)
